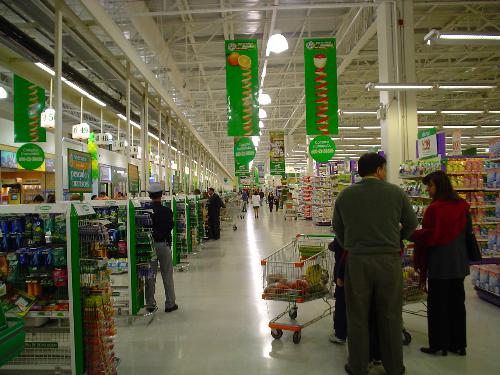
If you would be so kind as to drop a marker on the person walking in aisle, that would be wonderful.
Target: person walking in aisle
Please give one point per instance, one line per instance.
(270, 201)
(163, 223)
(277, 201)
(261, 195)
(370, 219)
(244, 200)
(442, 244)
(215, 203)
(256, 203)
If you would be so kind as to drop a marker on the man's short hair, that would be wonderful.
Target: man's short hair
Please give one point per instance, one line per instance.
(369, 163)
(211, 189)
(155, 195)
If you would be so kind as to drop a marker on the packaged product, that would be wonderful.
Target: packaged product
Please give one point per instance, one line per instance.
(484, 275)
(494, 279)
(474, 274)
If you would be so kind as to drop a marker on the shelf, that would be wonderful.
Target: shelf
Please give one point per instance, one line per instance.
(481, 239)
(485, 206)
(48, 314)
(465, 173)
(419, 197)
(491, 189)
(487, 296)
(494, 160)
(485, 222)
(403, 177)
(468, 189)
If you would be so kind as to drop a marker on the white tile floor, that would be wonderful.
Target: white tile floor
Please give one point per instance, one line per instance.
(221, 325)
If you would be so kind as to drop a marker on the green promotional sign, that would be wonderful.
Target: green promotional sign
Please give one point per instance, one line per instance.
(322, 148)
(320, 63)
(79, 172)
(241, 169)
(277, 153)
(423, 133)
(244, 150)
(30, 156)
(133, 178)
(242, 84)
(29, 103)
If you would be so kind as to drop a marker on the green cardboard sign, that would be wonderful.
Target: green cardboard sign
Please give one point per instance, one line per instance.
(244, 150)
(29, 103)
(79, 172)
(242, 85)
(277, 153)
(133, 178)
(322, 148)
(320, 63)
(30, 156)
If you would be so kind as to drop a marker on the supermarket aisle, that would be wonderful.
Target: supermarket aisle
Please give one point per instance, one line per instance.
(221, 326)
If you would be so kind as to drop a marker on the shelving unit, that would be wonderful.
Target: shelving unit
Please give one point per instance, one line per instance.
(39, 293)
(305, 198)
(324, 190)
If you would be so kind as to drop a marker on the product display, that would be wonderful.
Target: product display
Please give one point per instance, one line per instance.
(412, 169)
(323, 197)
(305, 198)
(486, 280)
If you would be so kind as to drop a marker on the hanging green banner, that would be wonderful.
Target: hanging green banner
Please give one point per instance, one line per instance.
(244, 150)
(30, 156)
(320, 62)
(133, 178)
(79, 172)
(322, 148)
(241, 169)
(277, 153)
(242, 85)
(29, 103)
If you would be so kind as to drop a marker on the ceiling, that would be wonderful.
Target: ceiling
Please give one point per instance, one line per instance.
(182, 44)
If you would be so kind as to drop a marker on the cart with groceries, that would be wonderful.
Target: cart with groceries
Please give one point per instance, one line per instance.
(299, 272)
(413, 294)
(290, 209)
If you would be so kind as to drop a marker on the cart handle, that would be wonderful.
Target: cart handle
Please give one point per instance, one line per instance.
(332, 236)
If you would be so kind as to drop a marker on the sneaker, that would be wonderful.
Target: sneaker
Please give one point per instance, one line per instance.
(151, 309)
(335, 340)
(173, 308)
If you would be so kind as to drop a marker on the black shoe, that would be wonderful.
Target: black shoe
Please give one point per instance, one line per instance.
(173, 308)
(462, 352)
(151, 309)
(444, 353)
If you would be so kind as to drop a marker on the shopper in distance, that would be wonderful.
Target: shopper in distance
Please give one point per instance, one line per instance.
(163, 223)
(215, 203)
(370, 220)
(442, 247)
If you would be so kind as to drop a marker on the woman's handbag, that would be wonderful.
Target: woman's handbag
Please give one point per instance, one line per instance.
(473, 250)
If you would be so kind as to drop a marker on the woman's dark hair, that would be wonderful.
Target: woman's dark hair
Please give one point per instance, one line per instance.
(369, 163)
(444, 189)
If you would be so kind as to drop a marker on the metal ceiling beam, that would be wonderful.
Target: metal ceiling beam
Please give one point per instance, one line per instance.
(112, 30)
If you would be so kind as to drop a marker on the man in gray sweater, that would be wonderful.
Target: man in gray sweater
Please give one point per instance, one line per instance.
(370, 220)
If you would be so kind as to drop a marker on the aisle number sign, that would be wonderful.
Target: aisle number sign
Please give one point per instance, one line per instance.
(320, 64)
(427, 143)
(322, 148)
(242, 82)
(79, 172)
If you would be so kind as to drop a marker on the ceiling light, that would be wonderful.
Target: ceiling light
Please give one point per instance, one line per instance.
(71, 84)
(277, 43)
(370, 145)
(371, 127)
(465, 86)
(490, 126)
(264, 99)
(461, 112)
(3, 93)
(358, 112)
(348, 127)
(398, 86)
(261, 125)
(360, 138)
(425, 127)
(262, 113)
(463, 137)
(153, 136)
(256, 141)
(459, 126)
(494, 112)
(345, 154)
(133, 123)
(485, 136)
(441, 37)
(426, 112)
(359, 150)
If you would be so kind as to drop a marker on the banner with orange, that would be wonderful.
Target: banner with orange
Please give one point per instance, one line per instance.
(79, 172)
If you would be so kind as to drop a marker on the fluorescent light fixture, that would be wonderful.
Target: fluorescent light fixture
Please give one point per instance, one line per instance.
(461, 112)
(463, 137)
(443, 37)
(153, 136)
(484, 136)
(277, 43)
(133, 123)
(173, 148)
(371, 127)
(425, 127)
(370, 145)
(426, 112)
(164, 143)
(71, 84)
(398, 86)
(261, 125)
(3, 93)
(358, 112)
(465, 86)
(264, 99)
(256, 141)
(494, 111)
(262, 113)
(360, 150)
(459, 126)
(490, 126)
(345, 155)
(348, 127)
(360, 138)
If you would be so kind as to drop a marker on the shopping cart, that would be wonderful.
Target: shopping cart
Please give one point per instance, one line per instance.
(299, 272)
(290, 210)
(232, 212)
(412, 291)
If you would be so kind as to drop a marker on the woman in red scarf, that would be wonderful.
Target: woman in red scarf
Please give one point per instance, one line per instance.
(441, 248)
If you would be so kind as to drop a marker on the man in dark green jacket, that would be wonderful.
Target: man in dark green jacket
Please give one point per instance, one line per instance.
(370, 220)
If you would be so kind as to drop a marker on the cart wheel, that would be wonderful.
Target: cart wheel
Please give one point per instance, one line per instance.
(293, 313)
(235, 227)
(406, 337)
(276, 333)
(297, 335)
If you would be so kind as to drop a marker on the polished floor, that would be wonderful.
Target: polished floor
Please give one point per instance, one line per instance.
(221, 324)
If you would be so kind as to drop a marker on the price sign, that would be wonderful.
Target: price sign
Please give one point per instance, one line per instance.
(427, 144)
(83, 209)
(457, 142)
(135, 151)
(48, 118)
(119, 145)
(81, 131)
(103, 139)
